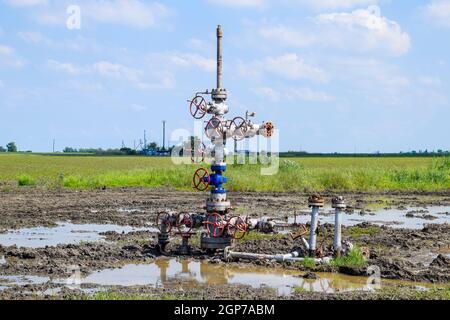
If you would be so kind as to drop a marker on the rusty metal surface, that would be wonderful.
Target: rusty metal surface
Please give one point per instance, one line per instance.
(316, 200)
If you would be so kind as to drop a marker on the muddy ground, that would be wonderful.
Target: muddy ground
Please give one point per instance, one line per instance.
(418, 255)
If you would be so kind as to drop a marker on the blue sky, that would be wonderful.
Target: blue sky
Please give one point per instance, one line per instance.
(334, 75)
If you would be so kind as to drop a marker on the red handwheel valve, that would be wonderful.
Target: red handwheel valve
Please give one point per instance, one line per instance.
(215, 225)
(201, 179)
(237, 227)
(198, 107)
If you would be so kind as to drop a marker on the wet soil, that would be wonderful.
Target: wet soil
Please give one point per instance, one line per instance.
(418, 255)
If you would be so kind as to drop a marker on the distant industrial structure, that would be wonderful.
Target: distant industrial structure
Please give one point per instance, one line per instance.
(152, 149)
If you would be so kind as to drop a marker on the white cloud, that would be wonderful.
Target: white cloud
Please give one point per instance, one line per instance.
(371, 73)
(292, 67)
(333, 4)
(287, 36)
(165, 81)
(197, 44)
(193, 60)
(363, 30)
(430, 81)
(103, 68)
(65, 67)
(9, 58)
(267, 92)
(116, 71)
(289, 66)
(438, 11)
(34, 37)
(5, 50)
(241, 3)
(307, 94)
(132, 13)
(25, 3)
(360, 31)
(315, 4)
(292, 94)
(137, 108)
(371, 80)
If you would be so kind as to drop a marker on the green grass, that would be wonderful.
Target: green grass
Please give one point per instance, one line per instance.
(25, 180)
(357, 232)
(308, 263)
(353, 259)
(295, 174)
(254, 235)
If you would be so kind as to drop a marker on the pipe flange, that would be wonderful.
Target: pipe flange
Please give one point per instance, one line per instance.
(338, 203)
(219, 94)
(316, 200)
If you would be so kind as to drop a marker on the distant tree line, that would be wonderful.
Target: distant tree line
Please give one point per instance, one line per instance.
(413, 153)
(122, 151)
(100, 151)
(10, 147)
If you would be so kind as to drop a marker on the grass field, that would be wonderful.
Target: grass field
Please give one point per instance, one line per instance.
(295, 174)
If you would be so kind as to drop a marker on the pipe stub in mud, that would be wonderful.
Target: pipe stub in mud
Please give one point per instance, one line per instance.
(338, 202)
(316, 200)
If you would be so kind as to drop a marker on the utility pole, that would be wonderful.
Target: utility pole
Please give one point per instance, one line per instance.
(164, 135)
(53, 145)
(145, 140)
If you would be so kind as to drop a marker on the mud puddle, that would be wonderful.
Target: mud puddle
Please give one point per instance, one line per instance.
(169, 273)
(408, 217)
(63, 233)
(8, 281)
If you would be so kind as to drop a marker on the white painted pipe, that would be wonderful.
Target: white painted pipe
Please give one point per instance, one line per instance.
(312, 234)
(338, 230)
(290, 257)
(305, 243)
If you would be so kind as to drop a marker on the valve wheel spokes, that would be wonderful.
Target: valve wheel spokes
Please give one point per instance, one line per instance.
(214, 128)
(185, 223)
(201, 179)
(215, 225)
(198, 107)
(163, 219)
(237, 227)
(240, 128)
(198, 155)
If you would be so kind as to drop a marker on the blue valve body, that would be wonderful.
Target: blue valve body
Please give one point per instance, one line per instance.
(217, 179)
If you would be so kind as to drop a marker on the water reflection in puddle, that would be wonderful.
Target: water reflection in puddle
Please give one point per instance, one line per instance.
(172, 272)
(64, 233)
(7, 281)
(395, 218)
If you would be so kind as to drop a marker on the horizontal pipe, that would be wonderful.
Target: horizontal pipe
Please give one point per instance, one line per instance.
(290, 257)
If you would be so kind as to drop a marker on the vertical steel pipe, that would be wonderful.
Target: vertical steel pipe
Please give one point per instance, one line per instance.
(313, 229)
(338, 203)
(315, 202)
(219, 57)
(338, 231)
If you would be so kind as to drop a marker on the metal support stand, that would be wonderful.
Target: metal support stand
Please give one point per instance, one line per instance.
(185, 248)
(163, 240)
